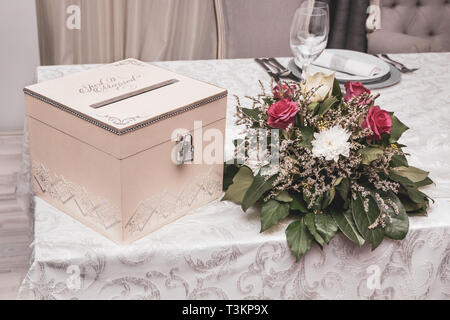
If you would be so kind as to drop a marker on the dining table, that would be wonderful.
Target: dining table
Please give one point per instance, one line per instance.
(218, 252)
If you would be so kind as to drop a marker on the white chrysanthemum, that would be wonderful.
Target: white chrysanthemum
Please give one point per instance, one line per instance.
(330, 143)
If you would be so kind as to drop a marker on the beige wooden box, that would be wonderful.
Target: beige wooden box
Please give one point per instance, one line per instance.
(105, 148)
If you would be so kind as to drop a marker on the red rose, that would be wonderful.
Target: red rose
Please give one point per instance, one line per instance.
(354, 90)
(379, 121)
(282, 113)
(286, 91)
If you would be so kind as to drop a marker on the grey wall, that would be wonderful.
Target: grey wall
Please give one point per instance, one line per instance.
(19, 57)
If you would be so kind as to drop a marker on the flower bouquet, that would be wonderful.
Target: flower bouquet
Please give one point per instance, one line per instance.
(331, 161)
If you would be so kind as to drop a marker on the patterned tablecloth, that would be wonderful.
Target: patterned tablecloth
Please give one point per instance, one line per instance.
(218, 252)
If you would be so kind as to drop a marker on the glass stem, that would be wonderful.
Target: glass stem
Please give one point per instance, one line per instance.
(304, 71)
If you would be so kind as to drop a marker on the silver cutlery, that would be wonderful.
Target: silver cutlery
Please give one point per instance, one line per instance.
(272, 74)
(400, 66)
(283, 72)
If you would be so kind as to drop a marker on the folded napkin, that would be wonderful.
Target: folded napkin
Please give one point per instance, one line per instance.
(338, 62)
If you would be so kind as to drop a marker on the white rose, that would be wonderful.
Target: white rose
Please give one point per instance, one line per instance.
(319, 80)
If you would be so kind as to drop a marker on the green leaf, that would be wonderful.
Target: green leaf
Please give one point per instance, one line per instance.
(413, 208)
(317, 205)
(408, 204)
(413, 193)
(330, 196)
(345, 222)
(336, 89)
(364, 219)
(310, 224)
(325, 226)
(326, 105)
(412, 173)
(313, 106)
(298, 238)
(241, 183)
(229, 171)
(416, 195)
(298, 205)
(397, 228)
(422, 211)
(252, 113)
(398, 161)
(343, 188)
(258, 187)
(369, 154)
(271, 212)
(327, 198)
(284, 197)
(268, 101)
(425, 182)
(398, 128)
(307, 137)
(338, 181)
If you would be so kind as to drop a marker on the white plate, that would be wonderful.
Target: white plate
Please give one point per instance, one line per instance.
(393, 77)
(355, 55)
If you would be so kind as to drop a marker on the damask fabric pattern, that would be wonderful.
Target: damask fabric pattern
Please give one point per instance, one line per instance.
(217, 251)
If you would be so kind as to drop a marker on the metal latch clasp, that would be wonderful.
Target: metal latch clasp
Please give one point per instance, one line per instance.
(185, 149)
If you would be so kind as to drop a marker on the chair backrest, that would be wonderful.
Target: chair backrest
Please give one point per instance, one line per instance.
(347, 24)
(426, 19)
(257, 28)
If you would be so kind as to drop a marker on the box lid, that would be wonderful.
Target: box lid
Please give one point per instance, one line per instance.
(126, 95)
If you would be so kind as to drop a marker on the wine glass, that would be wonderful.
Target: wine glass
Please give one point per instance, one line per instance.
(309, 33)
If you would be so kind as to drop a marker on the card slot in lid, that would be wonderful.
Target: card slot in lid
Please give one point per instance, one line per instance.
(133, 93)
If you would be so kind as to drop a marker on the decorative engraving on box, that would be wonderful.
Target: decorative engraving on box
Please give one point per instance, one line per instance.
(85, 205)
(62, 190)
(107, 213)
(169, 204)
(120, 122)
(97, 210)
(112, 83)
(43, 179)
(128, 62)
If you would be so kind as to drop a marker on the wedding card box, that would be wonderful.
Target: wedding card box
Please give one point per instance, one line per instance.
(121, 147)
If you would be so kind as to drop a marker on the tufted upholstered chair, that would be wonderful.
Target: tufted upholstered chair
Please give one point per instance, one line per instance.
(412, 26)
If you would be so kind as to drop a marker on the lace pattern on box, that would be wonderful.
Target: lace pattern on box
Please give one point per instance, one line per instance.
(170, 204)
(97, 210)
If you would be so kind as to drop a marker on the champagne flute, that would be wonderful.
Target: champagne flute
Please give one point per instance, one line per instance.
(309, 33)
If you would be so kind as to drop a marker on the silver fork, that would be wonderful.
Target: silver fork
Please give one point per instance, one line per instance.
(272, 74)
(400, 66)
(283, 72)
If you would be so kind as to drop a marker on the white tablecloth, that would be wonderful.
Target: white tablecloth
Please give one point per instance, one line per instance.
(218, 252)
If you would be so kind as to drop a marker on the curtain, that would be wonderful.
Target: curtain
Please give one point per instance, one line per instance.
(103, 31)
